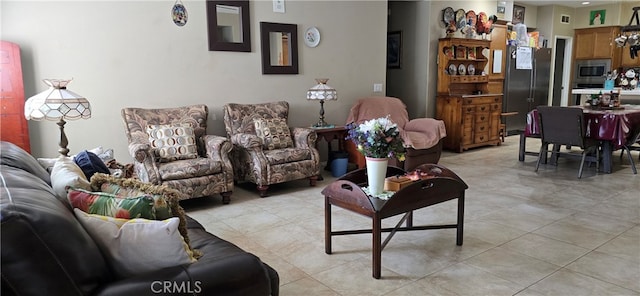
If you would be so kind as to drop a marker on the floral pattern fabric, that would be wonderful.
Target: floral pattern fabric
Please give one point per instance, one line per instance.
(110, 205)
(191, 177)
(254, 164)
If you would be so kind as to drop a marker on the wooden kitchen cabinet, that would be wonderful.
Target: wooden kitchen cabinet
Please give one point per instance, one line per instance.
(627, 61)
(466, 104)
(598, 43)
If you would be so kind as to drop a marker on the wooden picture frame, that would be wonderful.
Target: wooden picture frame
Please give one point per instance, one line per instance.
(279, 44)
(394, 50)
(461, 52)
(228, 25)
(518, 14)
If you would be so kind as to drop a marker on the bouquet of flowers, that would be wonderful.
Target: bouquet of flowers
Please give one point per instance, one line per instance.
(377, 138)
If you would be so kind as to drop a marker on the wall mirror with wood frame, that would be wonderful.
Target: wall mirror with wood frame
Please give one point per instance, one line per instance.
(279, 44)
(228, 25)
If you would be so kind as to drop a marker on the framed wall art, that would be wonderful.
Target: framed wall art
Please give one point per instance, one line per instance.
(518, 14)
(597, 17)
(394, 50)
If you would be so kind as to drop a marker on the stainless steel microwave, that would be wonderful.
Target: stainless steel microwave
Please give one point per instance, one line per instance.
(591, 71)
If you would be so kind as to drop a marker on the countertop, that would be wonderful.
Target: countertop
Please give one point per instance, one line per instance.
(595, 91)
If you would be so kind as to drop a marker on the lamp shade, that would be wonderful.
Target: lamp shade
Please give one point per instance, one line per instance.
(322, 91)
(57, 102)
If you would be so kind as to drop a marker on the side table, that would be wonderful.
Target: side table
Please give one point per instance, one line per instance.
(329, 134)
(440, 185)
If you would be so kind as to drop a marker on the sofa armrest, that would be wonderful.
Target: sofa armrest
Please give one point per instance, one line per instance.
(145, 162)
(241, 274)
(216, 147)
(247, 141)
(304, 137)
(140, 152)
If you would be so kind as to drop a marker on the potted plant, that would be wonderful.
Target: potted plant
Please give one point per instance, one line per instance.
(377, 139)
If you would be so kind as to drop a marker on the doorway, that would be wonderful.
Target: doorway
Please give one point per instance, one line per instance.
(561, 71)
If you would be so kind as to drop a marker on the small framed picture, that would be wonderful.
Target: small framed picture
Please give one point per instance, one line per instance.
(394, 50)
(518, 14)
(461, 52)
(471, 53)
(596, 17)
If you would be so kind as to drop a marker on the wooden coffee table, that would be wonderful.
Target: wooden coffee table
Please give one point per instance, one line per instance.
(441, 185)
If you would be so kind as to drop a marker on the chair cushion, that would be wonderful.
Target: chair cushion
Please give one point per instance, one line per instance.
(274, 133)
(173, 142)
(287, 155)
(138, 245)
(189, 168)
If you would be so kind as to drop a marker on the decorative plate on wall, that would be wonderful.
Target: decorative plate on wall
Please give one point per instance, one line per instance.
(461, 18)
(448, 16)
(179, 14)
(312, 37)
(471, 18)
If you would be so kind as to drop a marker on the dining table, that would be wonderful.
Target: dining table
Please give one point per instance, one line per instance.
(610, 126)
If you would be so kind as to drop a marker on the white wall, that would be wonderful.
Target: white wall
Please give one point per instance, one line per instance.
(130, 54)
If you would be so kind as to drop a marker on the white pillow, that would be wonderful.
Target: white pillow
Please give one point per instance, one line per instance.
(47, 163)
(138, 245)
(66, 173)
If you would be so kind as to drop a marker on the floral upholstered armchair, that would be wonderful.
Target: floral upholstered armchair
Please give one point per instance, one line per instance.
(170, 147)
(265, 149)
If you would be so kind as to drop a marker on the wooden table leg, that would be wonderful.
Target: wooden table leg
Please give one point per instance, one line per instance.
(460, 225)
(410, 219)
(327, 225)
(377, 246)
(607, 153)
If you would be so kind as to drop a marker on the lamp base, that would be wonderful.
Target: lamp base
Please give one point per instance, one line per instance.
(322, 123)
(64, 151)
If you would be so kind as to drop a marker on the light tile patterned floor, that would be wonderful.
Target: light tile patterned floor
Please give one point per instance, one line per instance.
(526, 233)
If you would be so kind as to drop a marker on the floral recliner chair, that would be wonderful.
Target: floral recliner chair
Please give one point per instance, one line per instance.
(265, 149)
(170, 147)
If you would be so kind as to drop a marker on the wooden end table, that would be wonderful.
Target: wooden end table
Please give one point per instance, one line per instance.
(329, 134)
(440, 185)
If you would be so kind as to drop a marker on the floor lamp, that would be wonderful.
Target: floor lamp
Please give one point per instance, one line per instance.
(57, 103)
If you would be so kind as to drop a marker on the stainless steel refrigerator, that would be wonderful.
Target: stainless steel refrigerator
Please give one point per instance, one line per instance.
(525, 89)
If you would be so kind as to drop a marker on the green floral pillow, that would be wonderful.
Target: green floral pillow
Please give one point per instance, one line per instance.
(107, 204)
(160, 205)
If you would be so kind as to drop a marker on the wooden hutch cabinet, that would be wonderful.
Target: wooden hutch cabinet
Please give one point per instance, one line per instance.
(471, 114)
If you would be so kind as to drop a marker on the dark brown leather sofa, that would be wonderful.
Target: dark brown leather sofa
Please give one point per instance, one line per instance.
(46, 251)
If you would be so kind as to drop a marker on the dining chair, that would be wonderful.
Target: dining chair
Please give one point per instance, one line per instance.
(632, 144)
(564, 126)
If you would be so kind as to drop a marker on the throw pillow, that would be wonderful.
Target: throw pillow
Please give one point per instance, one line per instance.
(90, 163)
(123, 187)
(110, 205)
(173, 142)
(67, 174)
(274, 133)
(138, 245)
